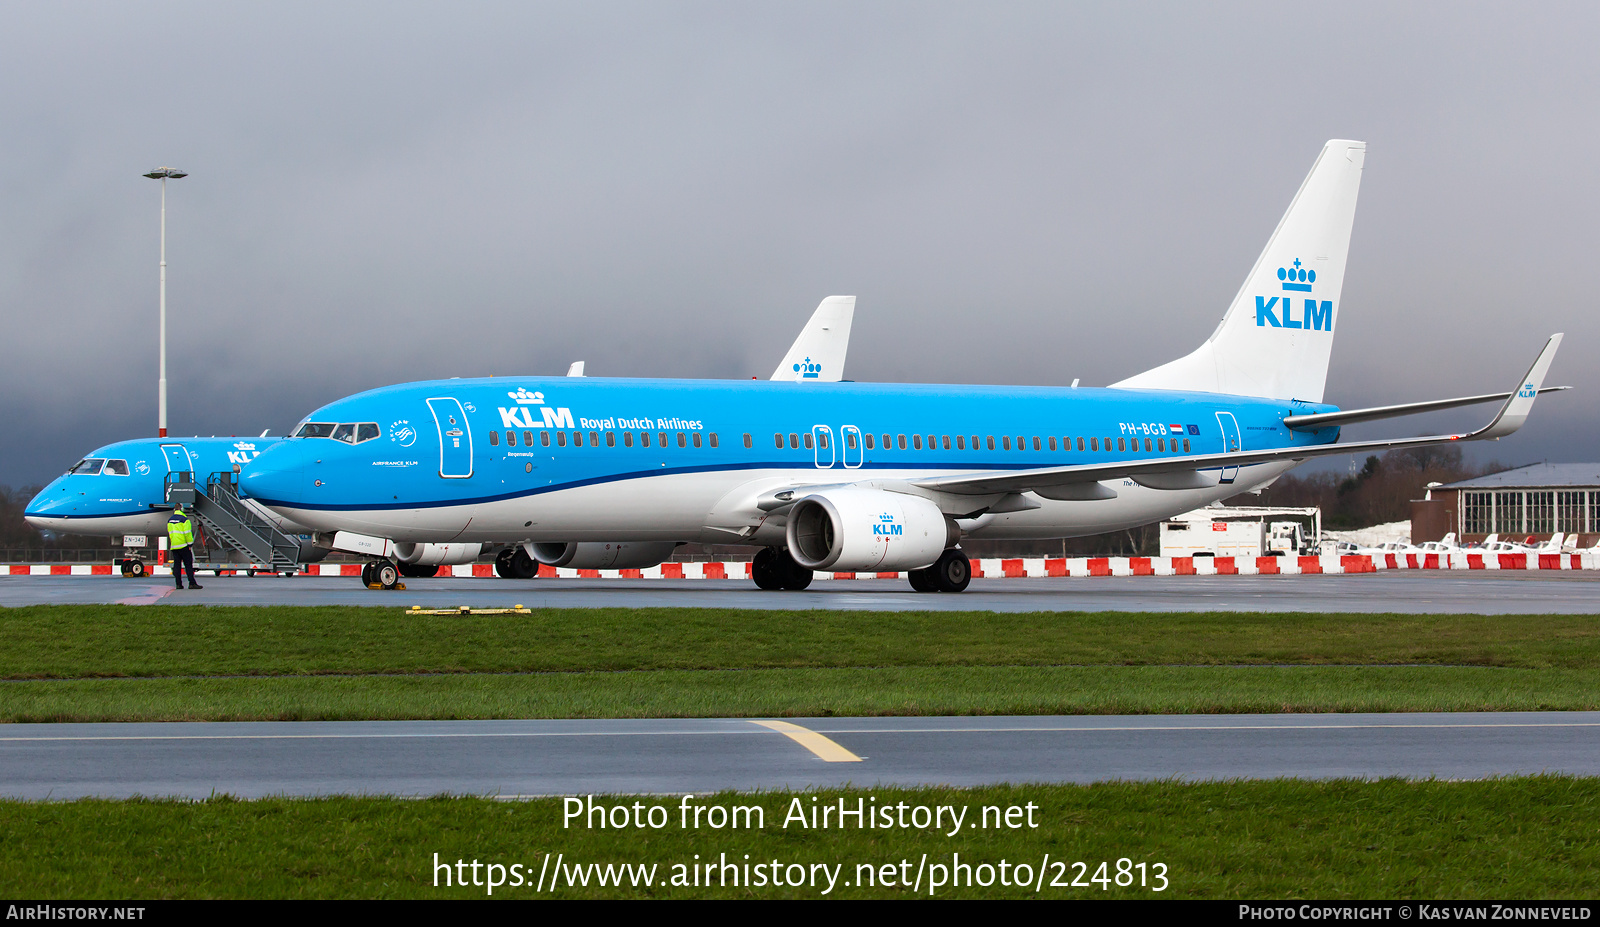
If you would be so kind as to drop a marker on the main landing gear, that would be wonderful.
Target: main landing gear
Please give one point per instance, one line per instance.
(775, 569)
(950, 573)
(514, 563)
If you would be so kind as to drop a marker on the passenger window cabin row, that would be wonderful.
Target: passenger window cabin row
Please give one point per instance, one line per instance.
(808, 440)
(987, 442)
(661, 439)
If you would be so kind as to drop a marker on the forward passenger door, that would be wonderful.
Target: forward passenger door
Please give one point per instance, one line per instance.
(455, 438)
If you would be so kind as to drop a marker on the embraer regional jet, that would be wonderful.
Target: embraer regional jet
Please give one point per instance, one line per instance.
(850, 477)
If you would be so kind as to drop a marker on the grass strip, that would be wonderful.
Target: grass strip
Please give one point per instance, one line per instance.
(807, 692)
(1391, 839)
(71, 641)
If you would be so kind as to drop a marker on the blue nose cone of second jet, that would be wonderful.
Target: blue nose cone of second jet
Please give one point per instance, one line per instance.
(277, 474)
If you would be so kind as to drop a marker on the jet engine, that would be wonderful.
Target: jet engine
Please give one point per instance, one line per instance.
(601, 555)
(436, 554)
(863, 530)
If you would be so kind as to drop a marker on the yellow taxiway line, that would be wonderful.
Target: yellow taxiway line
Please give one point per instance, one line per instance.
(824, 748)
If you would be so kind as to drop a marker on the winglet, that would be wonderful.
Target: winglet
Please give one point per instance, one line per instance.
(817, 356)
(576, 370)
(1520, 403)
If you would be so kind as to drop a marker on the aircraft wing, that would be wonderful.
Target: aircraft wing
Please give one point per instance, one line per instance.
(817, 356)
(1184, 472)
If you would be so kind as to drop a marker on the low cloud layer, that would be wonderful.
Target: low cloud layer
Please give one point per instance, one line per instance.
(1031, 194)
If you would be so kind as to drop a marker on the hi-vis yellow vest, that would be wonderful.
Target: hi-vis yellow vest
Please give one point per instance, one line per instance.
(180, 532)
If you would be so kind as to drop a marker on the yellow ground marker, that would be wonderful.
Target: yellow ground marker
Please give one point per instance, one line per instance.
(825, 749)
(469, 610)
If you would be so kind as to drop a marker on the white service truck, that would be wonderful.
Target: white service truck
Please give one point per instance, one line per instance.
(1287, 538)
(1194, 538)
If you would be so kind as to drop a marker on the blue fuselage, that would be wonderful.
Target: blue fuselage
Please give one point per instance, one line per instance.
(507, 460)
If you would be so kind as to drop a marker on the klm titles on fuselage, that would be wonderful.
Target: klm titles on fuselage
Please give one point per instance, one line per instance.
(521, 416)
(1316, 316)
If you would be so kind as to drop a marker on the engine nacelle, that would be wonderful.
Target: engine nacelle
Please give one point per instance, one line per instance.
(601, 555)
(436, 554)
(864, 530)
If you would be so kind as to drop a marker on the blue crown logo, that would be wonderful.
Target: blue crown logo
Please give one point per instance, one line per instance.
(1297, 277)
(808, 370)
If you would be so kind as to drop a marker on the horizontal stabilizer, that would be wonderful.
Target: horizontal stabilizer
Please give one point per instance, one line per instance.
(1046, 480)
(1354, 416)
(817, 356)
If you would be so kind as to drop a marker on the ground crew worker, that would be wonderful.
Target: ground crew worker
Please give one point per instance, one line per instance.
(180, 538)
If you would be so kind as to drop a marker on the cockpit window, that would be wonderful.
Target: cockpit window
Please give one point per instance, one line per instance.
(88, 466)
(348, 432)
(117, 467)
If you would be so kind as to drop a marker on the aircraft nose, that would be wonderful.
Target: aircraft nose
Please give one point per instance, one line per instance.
(51, 506)
(275, 475)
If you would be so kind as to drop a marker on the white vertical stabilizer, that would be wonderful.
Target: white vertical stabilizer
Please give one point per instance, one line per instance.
(1277, 336)
(817, 356)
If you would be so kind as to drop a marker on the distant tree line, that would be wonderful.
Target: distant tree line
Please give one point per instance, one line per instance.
(1379, 493)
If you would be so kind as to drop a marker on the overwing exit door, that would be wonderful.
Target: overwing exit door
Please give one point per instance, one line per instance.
(455, 438)
(823, 453)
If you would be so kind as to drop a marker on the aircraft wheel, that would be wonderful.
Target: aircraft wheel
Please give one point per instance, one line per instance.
(764, 570)
(502, 563)
(794, 575)
(922, 580)
(952, 572)
(523, 566)
(136, 568)
(385, 574)
(125, 567)
(366, 572)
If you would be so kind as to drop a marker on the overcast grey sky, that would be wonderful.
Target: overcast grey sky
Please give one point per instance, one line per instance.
(1017, 193)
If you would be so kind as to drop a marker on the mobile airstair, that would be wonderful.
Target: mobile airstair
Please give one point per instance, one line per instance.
(232, 528)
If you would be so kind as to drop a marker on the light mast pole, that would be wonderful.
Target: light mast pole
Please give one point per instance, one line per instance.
(161, 174)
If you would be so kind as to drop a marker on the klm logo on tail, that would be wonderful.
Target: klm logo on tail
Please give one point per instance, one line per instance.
(1316, 316)
(808, 370)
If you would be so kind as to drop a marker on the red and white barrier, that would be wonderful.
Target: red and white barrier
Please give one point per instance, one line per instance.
(986, 568)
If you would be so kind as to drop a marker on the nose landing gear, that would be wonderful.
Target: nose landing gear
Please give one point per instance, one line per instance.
(381, 574)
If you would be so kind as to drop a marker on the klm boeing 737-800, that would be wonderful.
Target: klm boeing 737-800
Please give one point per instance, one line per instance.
(122, 489)
(849, 476)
